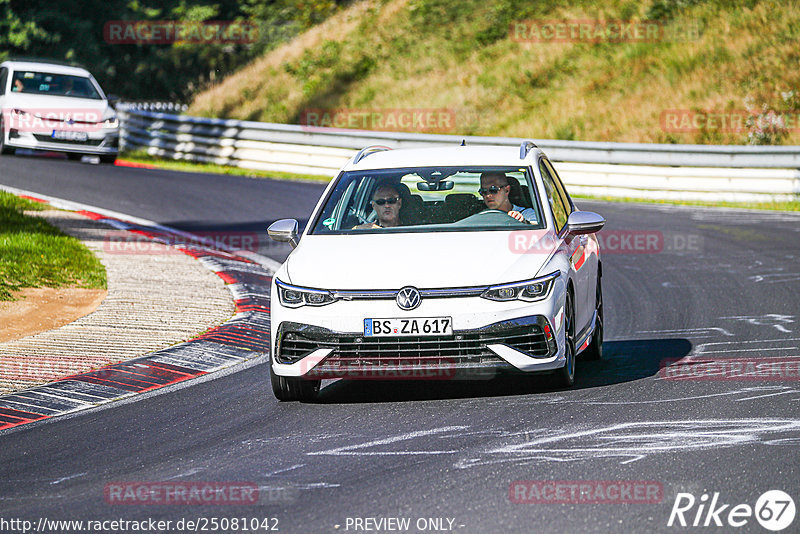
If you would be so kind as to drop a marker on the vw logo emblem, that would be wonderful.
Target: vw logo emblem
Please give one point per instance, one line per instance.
(408, 298)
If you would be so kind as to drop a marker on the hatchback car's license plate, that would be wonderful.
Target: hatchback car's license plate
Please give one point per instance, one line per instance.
(414, 326)
(66, 135)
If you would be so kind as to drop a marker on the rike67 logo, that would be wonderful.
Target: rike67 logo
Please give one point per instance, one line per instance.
(774, 510)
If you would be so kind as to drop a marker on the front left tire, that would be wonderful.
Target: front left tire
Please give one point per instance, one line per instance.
(287, 388)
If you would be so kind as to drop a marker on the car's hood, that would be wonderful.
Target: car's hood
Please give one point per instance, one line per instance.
(58, 105)
(423, 260)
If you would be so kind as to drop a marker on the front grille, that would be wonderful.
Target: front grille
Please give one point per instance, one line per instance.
(47, 139)
(463, 349)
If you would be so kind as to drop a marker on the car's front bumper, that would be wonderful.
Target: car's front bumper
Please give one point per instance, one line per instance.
(488, 336)
(101, 142)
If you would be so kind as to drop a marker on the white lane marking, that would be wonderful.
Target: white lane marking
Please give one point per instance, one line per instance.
(768, 395)
(299, 486)
(285, 469)
(775, 278)
(680, 399)
(631, 460)
(268, 263)
(706, 329)
(746, 350)
(63, 479)
(774, 320)
(188, 473)
(357, 450)
(701, 348)
(637, 440)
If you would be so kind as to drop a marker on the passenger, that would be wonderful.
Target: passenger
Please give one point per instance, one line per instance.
(386, 201)
(496, 190)
(19, 87)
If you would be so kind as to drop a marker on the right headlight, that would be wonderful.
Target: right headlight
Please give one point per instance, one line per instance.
(296, 296)
(111, 122)
(527, 290)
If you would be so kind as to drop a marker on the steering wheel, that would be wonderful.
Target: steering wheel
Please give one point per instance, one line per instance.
(491, 210)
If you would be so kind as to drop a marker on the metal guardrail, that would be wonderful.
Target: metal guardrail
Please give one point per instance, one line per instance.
(689, 172)
(151, 106)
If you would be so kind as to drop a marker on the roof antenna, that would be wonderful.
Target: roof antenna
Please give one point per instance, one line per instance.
(463, 142)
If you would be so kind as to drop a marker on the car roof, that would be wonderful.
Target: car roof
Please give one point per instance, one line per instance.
(440, 156)
(53, 68)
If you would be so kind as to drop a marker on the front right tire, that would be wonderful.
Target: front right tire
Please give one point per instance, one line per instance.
(4, 149)
(287, 388)
(565, 376)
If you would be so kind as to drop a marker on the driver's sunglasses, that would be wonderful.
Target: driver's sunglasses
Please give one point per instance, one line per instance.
(382, 201)
(493, 190)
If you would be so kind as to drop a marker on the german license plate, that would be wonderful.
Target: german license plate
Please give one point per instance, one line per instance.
(413, 326)
(66, 135)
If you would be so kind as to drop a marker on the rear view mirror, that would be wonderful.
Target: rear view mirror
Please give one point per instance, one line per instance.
(444, 185)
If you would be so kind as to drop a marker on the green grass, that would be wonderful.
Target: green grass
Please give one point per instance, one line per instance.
(35, 254)
(460, 55)
(772, 206)
(140, 156)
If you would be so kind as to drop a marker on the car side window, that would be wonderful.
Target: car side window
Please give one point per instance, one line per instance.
(562, 191)
(560, 211)
(3, 80)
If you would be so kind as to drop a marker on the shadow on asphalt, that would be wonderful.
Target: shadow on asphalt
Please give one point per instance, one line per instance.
(251, 235)
(623, 361)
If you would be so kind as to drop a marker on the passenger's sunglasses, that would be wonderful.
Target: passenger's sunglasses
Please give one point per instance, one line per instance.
(382, 201)
(493, 190)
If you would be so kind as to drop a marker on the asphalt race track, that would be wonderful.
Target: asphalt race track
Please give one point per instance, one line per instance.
(719, 286)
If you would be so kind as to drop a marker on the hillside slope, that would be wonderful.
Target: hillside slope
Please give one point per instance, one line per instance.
(478, 61)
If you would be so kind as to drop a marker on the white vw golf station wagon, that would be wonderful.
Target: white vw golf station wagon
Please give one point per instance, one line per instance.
(443, 263)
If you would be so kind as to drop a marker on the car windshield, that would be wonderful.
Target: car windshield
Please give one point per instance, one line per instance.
(430, 199)
(45, 83)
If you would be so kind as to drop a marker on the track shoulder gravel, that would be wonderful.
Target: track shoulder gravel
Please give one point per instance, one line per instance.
(157, 297)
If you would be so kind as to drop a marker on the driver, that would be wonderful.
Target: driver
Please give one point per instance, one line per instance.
(495, 191)
(386, 201)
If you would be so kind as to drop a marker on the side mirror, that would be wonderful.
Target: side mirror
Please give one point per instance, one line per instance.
(584, 222)
(113, 100)
(283, 231)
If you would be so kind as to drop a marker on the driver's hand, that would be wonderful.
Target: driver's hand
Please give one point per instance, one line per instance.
(517, 215)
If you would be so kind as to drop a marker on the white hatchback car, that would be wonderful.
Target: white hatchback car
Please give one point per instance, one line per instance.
(53, 107)
(437, 263)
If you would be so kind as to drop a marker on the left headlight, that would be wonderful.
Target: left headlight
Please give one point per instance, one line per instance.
(111, 122)
(527, 290)
(295, 296)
